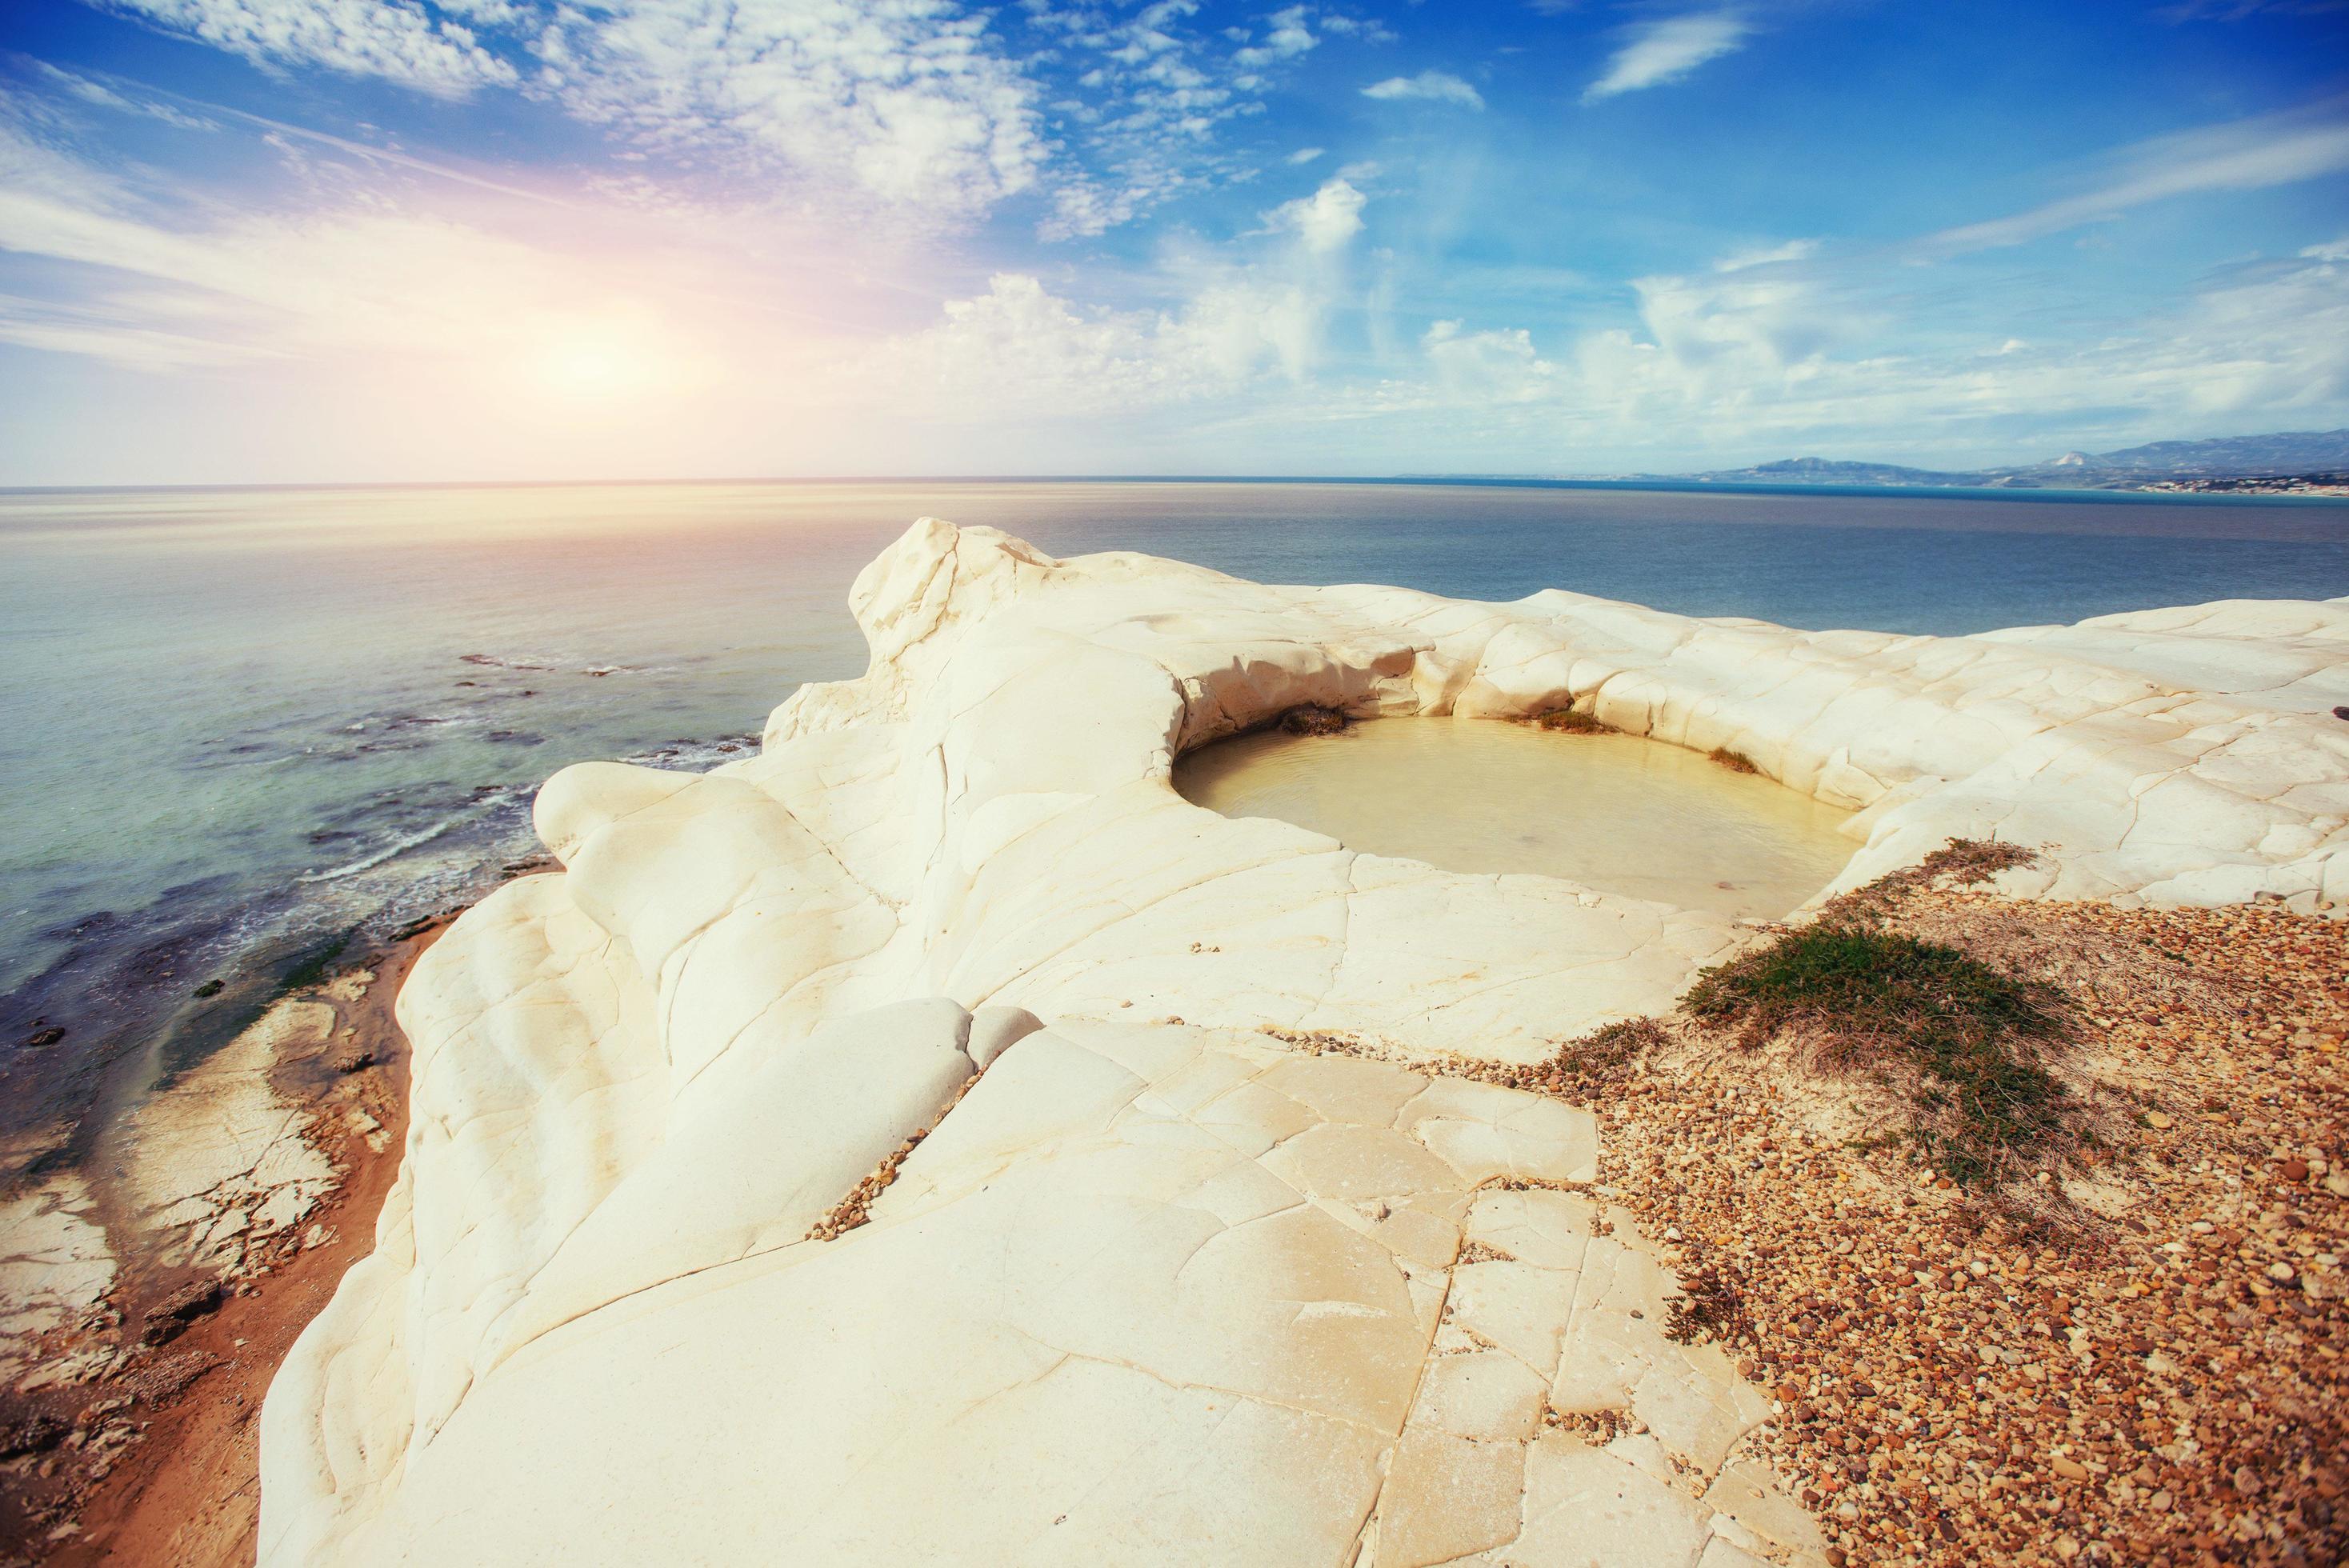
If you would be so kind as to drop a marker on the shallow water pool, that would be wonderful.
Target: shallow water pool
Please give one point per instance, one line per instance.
(1613, 812)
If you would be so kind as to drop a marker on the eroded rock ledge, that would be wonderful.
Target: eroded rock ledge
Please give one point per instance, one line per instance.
(1157, 1287)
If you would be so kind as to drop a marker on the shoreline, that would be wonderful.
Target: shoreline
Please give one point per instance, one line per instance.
(2066, 1320)
(140, 1428)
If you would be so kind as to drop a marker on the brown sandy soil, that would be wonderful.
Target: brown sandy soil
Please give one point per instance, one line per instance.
(2132, 1351)
(158, 1463)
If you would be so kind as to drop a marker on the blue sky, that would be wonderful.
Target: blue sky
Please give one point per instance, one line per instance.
(288, 241)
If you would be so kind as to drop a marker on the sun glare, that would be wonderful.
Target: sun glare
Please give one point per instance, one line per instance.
(593, 368)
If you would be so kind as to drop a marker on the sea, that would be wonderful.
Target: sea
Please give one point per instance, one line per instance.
(245, 733)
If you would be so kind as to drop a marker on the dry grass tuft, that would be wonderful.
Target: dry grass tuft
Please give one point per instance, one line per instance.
(1312, 718)
(1605, 1054)
(1566, 721)
(1711, 1306)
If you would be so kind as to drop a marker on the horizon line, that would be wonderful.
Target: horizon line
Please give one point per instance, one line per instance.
(1695, 483)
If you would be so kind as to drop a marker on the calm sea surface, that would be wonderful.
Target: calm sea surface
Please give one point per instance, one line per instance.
(236, 725)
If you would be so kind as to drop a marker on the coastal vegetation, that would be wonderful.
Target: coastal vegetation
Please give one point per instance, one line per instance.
(1967, 1035)
(1312, 718)
(1571, 721)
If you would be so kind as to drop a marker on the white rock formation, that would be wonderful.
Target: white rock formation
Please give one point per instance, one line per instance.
(1158, 1286)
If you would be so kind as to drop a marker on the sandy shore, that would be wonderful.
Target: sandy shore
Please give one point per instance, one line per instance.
(230, 1203)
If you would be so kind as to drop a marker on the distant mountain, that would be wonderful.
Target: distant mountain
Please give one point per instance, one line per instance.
(2230, 457)
(2167, 464)
(1825, 471)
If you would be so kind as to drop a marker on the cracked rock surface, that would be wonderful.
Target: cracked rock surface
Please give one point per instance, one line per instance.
(1148, 1284)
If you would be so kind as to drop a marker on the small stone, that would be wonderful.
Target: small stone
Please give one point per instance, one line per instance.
(2294, 1170)
(34, 1434)
(2070, 1470)
(169, 1317)
(2158, 1120)
(2281, 1272)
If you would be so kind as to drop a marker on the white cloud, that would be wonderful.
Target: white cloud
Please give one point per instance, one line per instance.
(1435, 87)
(399, 40)
(1756, 363)
(90, 90)
(1152, 99)
(1743, 325)
(1285, 36)
(900, 100)
(1020, 351)
(904, 104)
(1325, 221)
(1303, 155)
(1019, 348)
(923, 109)
(1242, 314)
(1665, 51)
(2242, 155)
(1488, 366)
(1770, 255)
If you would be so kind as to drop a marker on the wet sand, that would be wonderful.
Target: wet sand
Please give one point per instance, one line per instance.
(142, 1417)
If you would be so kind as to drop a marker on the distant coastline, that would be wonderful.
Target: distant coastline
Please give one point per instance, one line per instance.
(2250, 490)
(2287, 463)
(2258, 485)
(2304, 465)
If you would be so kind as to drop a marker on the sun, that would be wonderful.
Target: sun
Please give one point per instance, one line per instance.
(592, 367)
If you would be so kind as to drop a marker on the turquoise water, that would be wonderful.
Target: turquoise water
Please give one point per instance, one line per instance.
(236, 722)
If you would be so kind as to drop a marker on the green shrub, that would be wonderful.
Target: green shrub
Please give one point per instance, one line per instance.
(1970, 1035)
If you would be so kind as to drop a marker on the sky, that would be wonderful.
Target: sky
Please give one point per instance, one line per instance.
(412, 241)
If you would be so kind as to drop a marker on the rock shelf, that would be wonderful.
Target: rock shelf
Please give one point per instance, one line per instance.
(1153, 1282)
